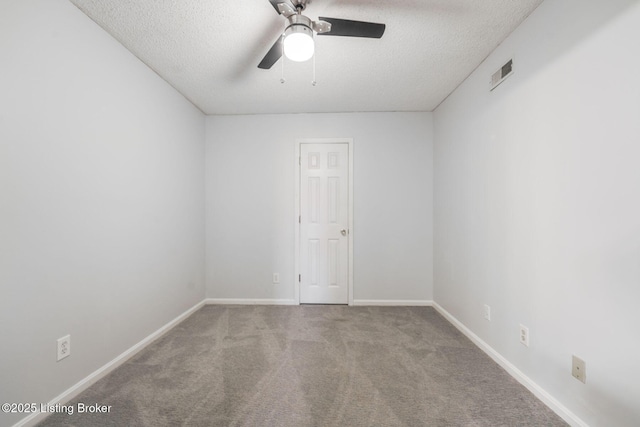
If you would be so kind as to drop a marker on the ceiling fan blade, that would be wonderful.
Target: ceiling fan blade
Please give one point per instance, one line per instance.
(347, 28)
(286, 10)
(272, 56)
(275, 4)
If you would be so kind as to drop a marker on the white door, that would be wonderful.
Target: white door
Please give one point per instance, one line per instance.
(324, 219)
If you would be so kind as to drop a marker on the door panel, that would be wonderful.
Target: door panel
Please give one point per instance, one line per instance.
(324, 216)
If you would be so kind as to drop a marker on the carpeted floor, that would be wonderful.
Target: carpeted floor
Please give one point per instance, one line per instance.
(311, 366)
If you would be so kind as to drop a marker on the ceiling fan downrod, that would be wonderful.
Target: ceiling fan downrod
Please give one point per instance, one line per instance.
(300, 5)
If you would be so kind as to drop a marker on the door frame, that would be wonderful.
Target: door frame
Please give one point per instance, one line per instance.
(349, 142)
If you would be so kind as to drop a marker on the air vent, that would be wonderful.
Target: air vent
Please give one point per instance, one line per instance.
(499, 76)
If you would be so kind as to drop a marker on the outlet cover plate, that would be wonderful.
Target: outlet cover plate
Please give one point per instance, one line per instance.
(524, 335)
(487, 312)
(64, 347)
(579, 369)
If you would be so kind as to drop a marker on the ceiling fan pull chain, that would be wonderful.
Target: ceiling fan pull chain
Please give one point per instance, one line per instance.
(314, 82)
(282, 80)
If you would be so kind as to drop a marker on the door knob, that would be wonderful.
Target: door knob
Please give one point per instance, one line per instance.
(343, 232)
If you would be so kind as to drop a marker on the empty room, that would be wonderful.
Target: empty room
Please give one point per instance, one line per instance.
(319, 213)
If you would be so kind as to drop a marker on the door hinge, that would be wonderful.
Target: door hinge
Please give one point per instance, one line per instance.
(300, 219)
(299, 277)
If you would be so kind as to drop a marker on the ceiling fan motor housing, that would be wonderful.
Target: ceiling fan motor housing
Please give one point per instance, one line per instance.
(301, 22)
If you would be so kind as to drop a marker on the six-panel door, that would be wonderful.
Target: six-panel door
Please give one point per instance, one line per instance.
(324, 216)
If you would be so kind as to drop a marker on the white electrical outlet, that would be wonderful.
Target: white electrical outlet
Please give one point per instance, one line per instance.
(524, 335)
(64, 347)
(276, 278)
(487, 312)
(579, 369)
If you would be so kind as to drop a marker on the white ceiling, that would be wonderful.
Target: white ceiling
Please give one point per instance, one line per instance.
(209, 51)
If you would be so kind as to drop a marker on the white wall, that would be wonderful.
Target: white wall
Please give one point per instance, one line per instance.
(250, 203)
(101, 199)
(537, 204)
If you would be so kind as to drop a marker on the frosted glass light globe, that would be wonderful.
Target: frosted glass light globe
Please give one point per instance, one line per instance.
(298, 45)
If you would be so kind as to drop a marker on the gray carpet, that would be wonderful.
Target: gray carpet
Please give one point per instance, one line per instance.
(311, 366)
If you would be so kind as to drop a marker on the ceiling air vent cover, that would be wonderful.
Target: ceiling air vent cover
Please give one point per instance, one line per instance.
(500, 75)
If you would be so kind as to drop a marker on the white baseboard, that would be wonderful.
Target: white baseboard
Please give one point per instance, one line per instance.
(393, 302)
(249, 301)
(91, 379)
(516, 373)
(362, 302)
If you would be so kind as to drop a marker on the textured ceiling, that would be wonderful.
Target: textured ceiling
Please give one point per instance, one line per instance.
(209, 51)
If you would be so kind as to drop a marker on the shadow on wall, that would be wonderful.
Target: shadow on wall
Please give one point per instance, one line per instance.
(566, 30)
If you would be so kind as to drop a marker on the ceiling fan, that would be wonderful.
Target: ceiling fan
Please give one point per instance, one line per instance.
(297, 40)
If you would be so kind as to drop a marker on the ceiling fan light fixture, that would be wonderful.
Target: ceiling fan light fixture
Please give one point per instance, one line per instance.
(298, 43)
